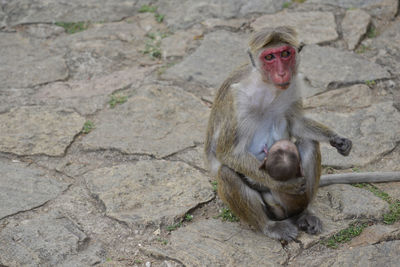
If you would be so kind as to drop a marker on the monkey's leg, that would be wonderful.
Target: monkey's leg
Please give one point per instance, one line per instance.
(310, 156)
(249, 206)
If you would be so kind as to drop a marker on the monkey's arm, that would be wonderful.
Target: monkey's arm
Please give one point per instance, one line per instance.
(352, 178)
(248, 165)
(303, 127)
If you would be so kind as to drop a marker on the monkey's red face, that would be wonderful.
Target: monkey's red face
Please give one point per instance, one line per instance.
(278, 65)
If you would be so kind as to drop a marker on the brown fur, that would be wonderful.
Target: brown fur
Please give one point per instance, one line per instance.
(228, 139)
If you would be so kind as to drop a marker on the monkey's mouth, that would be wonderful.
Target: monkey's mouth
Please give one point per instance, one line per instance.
(282, 86)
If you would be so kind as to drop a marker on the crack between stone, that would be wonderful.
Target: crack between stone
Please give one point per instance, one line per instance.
(117, 151)
(338, 85)
(103, 209)
(36, 207)
(198, 206)
(82, 244)
(159, 256)
(383, 154)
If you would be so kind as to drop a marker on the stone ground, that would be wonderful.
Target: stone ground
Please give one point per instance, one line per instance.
(102, 130)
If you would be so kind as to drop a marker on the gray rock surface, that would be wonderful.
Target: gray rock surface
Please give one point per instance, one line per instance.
(388, 46)
(25, 64)
(327, 66)
(178, 44)
(47, 240)
(355, 203)
(186, 14)
(88, 96)
(355, 25)
(376, 234)
(212, 62)
(41, 31)
(350, 98)
(2, 19)
(383, 8)
(50, 11)
(312, 27)
(224, 23)
(38, 130)
(149, 192)
(368, 128)
(23, 188)
(383, 254)
(106, 48)
(215, 243)
(156, 121)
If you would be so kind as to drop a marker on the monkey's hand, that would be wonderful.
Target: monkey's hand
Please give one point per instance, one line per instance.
(295, 186)
(343, 145)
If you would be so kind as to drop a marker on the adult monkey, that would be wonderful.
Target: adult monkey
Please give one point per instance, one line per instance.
(256, 106)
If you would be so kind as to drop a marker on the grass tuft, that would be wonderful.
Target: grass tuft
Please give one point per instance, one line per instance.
(117, 99)
(345, 235)
(372, 33)
(152, 9)
(73, 27)
(173, 227)
(227, 215)
(87, 127)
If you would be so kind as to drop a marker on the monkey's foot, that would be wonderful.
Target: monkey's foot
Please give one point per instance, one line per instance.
(310, 224)
(281, 230)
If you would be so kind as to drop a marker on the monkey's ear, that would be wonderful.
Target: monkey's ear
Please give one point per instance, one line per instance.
(251, 57)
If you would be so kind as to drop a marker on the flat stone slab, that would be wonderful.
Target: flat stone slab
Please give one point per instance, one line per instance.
(46, 240)
(23, 188)
(312, 27)
(88, 96)
(381, 8)
(215, 243)
(106, 48)
(180, 14)
(156, 120)
(374, 130)
(355, 25)
(388, 44)
(149, 192)
(211, 63)
(38, 130)
(14, 97)
(178, 44)
(2, 19)
(354, 203)
(349, 98)
(69, 11)
(382, 254)
(25, 64)
(376, 234)
(328, 66)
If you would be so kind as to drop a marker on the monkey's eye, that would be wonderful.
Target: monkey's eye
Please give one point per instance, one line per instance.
(285, 54)
(269, 57)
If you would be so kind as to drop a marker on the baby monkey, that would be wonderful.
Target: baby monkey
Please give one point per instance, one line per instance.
(282, 162)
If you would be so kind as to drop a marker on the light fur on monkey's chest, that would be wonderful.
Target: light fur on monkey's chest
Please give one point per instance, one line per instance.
(261, 109)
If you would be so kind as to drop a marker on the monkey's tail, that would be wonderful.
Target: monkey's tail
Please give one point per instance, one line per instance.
(362, 177)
